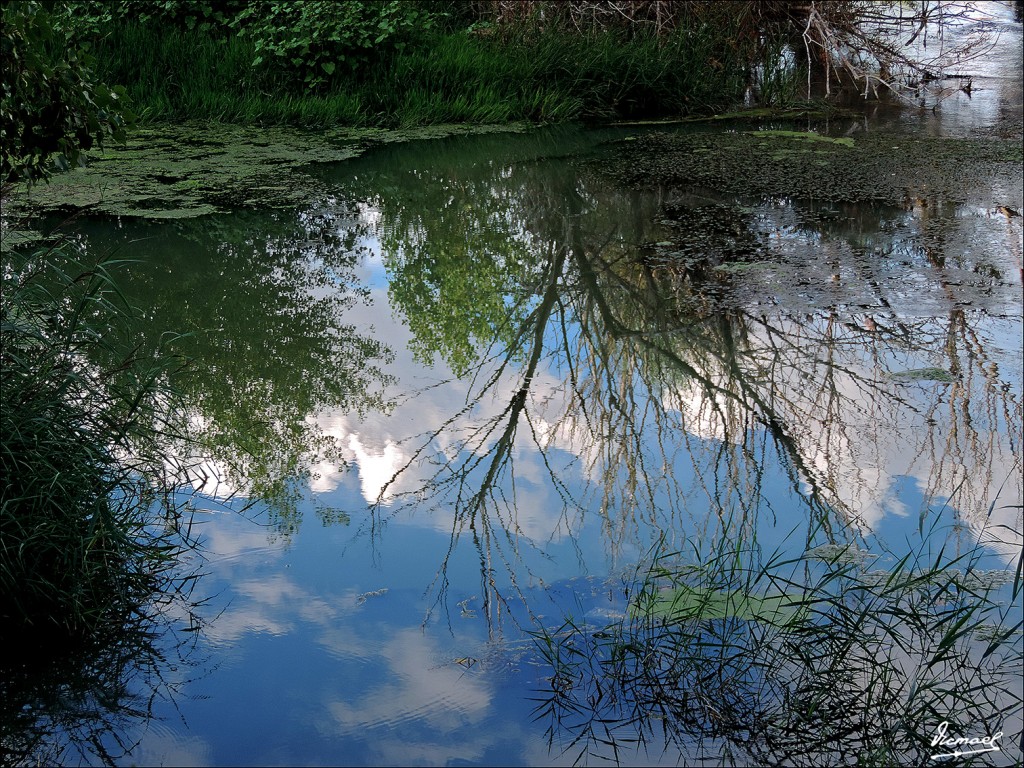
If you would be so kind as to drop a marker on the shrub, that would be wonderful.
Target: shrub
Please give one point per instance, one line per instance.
(50, 102)
(313, 40)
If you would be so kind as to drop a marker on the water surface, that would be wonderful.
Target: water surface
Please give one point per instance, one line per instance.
(475, 391)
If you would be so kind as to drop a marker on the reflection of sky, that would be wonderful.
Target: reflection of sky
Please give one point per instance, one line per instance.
(312, 672)
(330, 644)
(858, 458)
(323, 658)
(371, 271)
(316, 671)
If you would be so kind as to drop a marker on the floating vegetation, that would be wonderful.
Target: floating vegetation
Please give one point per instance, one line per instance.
(195, 169)
(360, 599)
(878, 167)
(684, 602)
(836, 553)
(922, 374)
(804, 136)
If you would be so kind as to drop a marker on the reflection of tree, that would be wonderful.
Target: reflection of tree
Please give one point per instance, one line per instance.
(456, 280)
(660, 370)
(461, 263)
(675, 401)
(267, 341)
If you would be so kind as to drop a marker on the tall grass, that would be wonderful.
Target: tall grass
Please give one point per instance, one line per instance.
(87, 534)
(824, 658)
(552, 76)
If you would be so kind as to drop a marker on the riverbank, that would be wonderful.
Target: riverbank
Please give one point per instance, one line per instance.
(402, 64)
(458, 77)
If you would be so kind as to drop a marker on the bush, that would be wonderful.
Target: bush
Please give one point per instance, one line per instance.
(313, 40)
(51, 105)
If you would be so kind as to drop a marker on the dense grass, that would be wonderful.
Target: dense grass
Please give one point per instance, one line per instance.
(82, 536)
(174, 74)
(826, 658)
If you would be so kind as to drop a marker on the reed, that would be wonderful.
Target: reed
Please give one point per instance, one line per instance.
(826, 657)
(88, 530)
(551, 76)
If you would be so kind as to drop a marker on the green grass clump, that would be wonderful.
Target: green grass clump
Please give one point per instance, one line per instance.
(454, 77)
(83, 535)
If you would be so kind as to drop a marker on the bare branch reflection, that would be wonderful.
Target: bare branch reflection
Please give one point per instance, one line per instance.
(659, 393)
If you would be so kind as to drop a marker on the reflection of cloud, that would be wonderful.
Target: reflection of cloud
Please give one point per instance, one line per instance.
(222, 542)
(376, 468)
(856, 431)
(442, 697)
(272, 606)
(715, 417)
(164, 746)
(378, 445)
(204, 474)
(859, 430)
(431, 711)
(325, 476)
(858, 485)
(377, 450)
(240, 619)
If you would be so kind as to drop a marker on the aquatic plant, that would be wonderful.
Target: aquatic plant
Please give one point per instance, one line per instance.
(819, 659)
(89, 532)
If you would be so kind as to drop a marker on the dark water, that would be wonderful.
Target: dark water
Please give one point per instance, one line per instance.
(457, 410)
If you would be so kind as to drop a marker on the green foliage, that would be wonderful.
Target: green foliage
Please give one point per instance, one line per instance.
(311, 41)
(88, 21)
(204, 16)
(51, 105)
(174, 73)
(409, 62)
(80, 451)
(289, 45)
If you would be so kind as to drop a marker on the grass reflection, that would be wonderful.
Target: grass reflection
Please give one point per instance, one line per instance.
(740, 657)
(88, 700)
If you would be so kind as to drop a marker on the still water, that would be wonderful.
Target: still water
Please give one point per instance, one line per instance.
(490, 479)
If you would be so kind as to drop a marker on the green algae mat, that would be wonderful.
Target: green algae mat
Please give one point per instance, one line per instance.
(188, 170)
(869, 167)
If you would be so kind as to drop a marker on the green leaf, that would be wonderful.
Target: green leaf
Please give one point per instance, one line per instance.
(328, 67)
